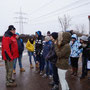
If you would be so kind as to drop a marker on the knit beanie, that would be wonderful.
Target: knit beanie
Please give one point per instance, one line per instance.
(54, 35)
(11, 27)
(47, 38)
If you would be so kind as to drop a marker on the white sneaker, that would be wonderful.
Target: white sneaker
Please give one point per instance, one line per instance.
(41, 73)
(50, 76)
(45, 75)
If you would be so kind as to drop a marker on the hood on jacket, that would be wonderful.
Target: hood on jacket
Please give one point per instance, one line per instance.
(74, 36)
(39, 33)
(63, 38)
(8, 33)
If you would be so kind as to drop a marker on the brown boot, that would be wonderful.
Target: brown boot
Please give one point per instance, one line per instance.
(14, 72)
(31, 66)
(22, 70)
(37, 65)
(11, 84)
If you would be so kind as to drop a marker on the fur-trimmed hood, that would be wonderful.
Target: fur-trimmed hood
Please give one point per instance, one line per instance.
(63, 38)
(63, 50)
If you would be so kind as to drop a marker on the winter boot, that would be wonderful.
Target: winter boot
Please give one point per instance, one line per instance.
(31, 66)
(11, 84)
(14, 72)
(22, 70)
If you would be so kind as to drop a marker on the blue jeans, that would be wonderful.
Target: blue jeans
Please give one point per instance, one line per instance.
(48, 67)
(31, 54)
(41, 61)
(19, 60)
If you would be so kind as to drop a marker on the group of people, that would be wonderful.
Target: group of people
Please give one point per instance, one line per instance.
(53, 54)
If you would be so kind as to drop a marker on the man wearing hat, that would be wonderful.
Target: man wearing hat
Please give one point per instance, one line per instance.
(84, 42)
(9, 53)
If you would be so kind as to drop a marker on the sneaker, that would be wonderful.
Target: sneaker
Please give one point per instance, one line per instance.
(51, 83)
(37, 71)
(11, 84)
(41, 72)
(50, 77)
(14, 72)
(31, 66)
(55, 87)
(22, 70)
(45, 75)
(11, 81)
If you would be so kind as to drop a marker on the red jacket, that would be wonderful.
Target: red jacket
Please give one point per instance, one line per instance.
(9, 47)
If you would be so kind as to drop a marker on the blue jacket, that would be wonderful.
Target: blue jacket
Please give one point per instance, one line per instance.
(75, 51)
(20, 46)
(46, 48)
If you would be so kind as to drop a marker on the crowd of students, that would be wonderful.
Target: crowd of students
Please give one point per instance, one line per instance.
(53, 55)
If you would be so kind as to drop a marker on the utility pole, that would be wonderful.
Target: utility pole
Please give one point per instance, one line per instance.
(89, 24)
(21, 21)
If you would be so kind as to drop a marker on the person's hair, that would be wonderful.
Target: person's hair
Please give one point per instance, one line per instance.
(48, 32)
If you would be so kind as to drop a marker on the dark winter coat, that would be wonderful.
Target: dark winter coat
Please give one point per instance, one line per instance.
(39, 45)
(51, 56)
(20, 46)
(46, 48)
(63, 50)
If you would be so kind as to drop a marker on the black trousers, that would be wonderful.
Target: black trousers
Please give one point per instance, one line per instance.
(55, 74)
(84, 66)
(74, 62)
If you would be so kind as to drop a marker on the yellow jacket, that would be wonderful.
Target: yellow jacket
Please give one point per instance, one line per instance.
(29, 46)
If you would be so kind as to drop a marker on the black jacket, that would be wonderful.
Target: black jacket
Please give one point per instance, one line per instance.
(52, 55)
(39, 45)
(20, 46)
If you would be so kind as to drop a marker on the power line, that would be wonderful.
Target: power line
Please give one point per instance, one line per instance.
(83, 14)
(62, 9)
(21, 20)
(43, 6)
(78, 15)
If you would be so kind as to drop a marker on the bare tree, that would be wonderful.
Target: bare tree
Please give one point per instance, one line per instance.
(77, 28)
(80, 28)
(83, 28)
(65, 22)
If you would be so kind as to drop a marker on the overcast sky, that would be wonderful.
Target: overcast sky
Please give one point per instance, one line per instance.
(39, 14)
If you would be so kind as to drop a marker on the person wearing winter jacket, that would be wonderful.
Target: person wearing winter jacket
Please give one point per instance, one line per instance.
(9, 53)
(30, 45)
(85, 55)
(62, 49)
(46, 49)
(88, 49)
(38, 51)
(20, 50)
(52, 57)
(75, 53)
